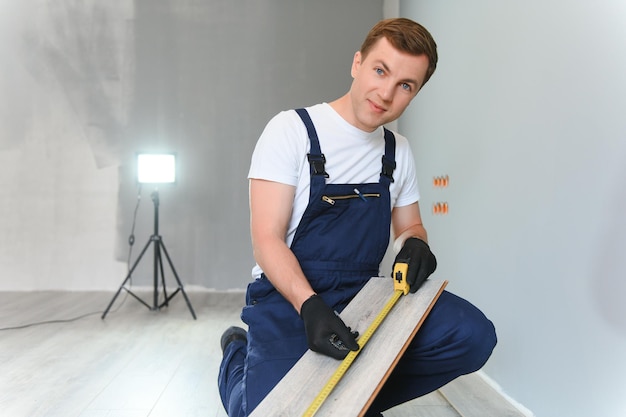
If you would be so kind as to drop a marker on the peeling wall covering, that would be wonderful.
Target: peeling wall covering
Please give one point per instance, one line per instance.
(86, 84)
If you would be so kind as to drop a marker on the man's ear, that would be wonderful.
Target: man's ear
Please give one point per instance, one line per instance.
(356, 63)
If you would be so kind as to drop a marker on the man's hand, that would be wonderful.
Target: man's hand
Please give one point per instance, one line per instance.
(326, 333)
(421, 260)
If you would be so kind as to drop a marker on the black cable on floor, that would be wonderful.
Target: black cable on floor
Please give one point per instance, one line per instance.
(24, 326)
(131, 242)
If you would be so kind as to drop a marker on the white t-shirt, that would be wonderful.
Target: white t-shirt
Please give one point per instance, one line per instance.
(352, 157)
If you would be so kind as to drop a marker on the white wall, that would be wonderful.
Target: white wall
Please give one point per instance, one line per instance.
(526, 115)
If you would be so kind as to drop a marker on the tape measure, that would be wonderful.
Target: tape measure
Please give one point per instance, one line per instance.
(401, 287)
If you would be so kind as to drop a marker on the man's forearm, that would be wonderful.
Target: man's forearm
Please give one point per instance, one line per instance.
(283, 270)
(417, 231)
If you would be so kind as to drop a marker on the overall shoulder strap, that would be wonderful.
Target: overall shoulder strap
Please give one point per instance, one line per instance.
(315, 156)
(389, 158)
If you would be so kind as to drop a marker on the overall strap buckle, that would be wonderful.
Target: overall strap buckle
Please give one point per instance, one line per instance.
(317, 164)
(388, 167)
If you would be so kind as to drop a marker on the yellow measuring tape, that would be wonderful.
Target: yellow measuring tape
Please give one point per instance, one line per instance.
(401, 287)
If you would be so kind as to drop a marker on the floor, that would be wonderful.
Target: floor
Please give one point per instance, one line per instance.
(139, 363)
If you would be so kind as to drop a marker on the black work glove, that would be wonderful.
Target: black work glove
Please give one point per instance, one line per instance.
(421, 260)
(326, 333)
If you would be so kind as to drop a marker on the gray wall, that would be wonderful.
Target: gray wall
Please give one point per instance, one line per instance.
(85, 85)
(526, 115)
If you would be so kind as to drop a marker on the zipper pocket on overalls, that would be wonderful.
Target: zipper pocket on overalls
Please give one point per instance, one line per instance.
(357, 194)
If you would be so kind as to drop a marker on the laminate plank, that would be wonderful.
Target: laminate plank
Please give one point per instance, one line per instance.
(351, 396)
(472, 396)
(430, 405)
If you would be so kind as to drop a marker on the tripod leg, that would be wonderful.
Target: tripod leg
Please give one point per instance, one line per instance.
(165, 296)
(157, 256)
(180, 284)
(130, 272)
(114, 298)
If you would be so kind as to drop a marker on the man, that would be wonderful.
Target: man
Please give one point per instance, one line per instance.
(322, 203)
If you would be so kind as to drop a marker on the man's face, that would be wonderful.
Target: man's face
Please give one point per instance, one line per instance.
(385, 82)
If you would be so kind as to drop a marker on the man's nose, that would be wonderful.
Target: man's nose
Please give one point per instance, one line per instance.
(386, 91)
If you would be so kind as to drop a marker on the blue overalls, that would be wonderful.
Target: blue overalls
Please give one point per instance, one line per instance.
(339, 243)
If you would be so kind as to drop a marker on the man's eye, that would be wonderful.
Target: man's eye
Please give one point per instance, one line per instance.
(379, 71)
(406, 87)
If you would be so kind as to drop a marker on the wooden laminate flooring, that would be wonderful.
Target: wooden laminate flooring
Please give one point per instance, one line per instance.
(140, 363)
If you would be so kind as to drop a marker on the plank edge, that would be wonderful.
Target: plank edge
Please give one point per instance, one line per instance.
(444, 283)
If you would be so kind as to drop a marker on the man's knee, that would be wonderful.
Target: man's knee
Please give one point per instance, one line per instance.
(481, 343)
(457, 331)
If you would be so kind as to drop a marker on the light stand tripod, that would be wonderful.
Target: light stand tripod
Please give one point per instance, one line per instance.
(158, 267)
